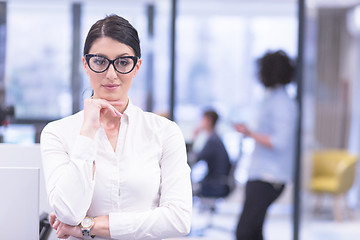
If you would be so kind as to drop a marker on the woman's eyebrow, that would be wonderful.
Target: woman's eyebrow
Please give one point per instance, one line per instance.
(125, 55)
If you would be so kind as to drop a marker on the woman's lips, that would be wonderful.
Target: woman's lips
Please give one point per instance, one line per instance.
(111, 86)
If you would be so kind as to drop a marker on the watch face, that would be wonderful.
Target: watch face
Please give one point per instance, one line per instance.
(87, 223)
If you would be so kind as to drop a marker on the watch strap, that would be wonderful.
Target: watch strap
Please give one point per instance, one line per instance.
(86, 233)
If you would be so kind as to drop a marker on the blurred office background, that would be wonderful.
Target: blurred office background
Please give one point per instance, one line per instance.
(202, 54)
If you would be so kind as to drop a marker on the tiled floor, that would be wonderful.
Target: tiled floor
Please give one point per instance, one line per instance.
(278, 225)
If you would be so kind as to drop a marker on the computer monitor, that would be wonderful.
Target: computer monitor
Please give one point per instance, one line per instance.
(19, 203)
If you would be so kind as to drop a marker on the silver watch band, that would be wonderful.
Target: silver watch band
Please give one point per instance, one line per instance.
(86, 234)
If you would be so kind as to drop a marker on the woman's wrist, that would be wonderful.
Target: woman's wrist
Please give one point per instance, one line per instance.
(88, 132)
(101, 226)
(248, 133)
(77, 232)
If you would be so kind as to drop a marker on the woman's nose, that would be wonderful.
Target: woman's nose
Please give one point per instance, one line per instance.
(111, 72)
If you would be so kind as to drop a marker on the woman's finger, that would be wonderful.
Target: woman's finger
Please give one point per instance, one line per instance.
(117, 103)
(59, 230)
(56, 224)
(110, 106)
(64, 231)
(52, 219)
(105, 105)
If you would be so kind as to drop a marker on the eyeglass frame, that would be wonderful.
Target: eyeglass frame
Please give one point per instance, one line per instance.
(89, 56)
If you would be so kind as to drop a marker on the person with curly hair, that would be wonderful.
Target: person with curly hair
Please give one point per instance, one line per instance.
(272, 162)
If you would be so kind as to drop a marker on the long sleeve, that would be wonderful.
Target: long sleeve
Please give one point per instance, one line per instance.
(172, 217)
(68, 174)
(283, 124)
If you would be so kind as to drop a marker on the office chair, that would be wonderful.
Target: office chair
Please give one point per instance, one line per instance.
(44, 226)
(333, 173)
(209, 204)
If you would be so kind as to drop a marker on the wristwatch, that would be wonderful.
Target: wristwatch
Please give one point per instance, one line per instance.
(86, 224)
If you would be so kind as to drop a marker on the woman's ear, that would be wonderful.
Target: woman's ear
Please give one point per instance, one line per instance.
(137, 66)
(85, 65)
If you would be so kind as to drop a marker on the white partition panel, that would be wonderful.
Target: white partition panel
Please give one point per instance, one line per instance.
(19, 203)
(18, 155)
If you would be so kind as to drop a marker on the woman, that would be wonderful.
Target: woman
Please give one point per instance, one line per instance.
(271, 166)
(113, 171)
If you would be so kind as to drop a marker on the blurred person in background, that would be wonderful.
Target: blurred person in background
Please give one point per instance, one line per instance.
(113, 171)
(271, 166)
(216, 157)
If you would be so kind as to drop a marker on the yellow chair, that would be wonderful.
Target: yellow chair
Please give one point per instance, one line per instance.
(334, 173)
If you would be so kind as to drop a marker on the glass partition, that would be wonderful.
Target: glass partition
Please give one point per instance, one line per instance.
(217, 52)
(38, 59)
(217, 49)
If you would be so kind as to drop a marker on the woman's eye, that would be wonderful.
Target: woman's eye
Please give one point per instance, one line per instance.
(123, 62)
(100, 61)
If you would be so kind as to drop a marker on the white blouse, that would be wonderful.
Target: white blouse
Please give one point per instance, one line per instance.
(144, 186)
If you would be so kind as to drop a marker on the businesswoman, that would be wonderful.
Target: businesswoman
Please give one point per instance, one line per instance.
(113, 171)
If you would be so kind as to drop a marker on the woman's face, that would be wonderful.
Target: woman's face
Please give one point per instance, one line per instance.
(111, 85)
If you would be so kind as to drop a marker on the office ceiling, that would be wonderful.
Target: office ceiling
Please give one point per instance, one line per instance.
(309, 3)
(332, 3)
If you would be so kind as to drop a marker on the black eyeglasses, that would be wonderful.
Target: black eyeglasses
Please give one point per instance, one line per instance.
(100, 64)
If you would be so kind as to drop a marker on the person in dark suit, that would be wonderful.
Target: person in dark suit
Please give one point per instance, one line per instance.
(216, 157)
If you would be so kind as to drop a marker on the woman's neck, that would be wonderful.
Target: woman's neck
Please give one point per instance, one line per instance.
(110, 122)
(122, 108)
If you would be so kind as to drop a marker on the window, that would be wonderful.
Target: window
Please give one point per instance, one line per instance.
(38, 60)
(217, 49)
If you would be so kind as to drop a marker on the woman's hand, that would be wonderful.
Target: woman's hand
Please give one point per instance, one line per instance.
(52, 219)
(93, 110)
(64, 231)
(242, 128)
(262, 139)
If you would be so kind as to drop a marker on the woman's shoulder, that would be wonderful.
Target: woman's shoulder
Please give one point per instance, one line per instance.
(156, 122)
(66, 124)
(140, 115)
(282, 97)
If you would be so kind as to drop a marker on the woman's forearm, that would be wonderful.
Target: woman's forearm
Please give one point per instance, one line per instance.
(101, 226)
(261, 139)
(258, 137)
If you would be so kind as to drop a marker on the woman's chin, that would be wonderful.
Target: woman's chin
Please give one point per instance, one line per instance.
(112, 97)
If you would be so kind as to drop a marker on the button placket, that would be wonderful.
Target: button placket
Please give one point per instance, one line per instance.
(120, 158)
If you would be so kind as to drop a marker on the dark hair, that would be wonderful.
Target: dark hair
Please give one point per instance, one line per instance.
(117, 28)
(212, 115)
(275, 68)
